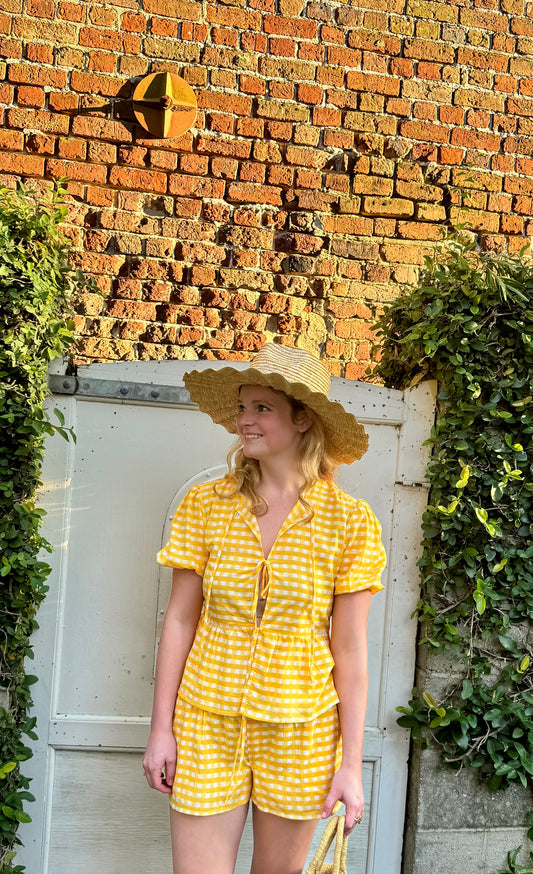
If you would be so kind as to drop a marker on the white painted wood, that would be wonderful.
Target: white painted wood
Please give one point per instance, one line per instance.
(110, 500)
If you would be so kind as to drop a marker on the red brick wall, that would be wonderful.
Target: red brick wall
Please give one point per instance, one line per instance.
(333, 142)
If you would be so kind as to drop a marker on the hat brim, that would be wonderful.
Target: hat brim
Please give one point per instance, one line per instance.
(216, 392)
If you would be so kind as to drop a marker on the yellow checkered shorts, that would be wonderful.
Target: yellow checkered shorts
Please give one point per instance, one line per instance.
(224, 761)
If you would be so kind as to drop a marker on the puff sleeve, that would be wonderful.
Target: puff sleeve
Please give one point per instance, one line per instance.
(363, 558)
(186, 547)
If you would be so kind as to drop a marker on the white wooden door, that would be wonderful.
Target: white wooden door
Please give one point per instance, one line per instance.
(109, 500)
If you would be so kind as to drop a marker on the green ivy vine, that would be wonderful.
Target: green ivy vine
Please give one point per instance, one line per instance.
(469, 325)
(36, 288)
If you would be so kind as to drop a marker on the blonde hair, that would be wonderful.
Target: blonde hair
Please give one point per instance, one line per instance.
(314, 461)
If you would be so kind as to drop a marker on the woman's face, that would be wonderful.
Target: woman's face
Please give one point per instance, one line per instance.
(267, 425)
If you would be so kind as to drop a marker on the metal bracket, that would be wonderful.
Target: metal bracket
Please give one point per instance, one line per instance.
(111, 389)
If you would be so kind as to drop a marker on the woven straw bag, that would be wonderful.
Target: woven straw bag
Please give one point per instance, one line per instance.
(334, 831)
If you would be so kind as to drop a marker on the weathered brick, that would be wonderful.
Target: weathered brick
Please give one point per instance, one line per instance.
(341, 57)
(353, 329)
(71, 12)
(229, 103)
(404, 253)
(367, 82)
(348, 225)
(374, 41)
(432, 10)
(251, 84)
(241, 192)
(27, 95)
(470, 178)
(133, 22)
(142, 180)
(330, 76)
(299, 28)
(332, 35)
(359, 250)
(96, 83)
(282, 47)
(224, 167)
(325, 116)
(477, 220)
(484, 60)
(342, 140)
(250, 127)
(35, 29)
(218, 122)
(307, 178)
(427, 50)
(305, 135)
(520, 106)
(74, 149)
(11, 140)
(362, 184)
(100, 129)
(38, 120)
(306, 157)
(185, 10)
(281, 90)
(102, 62)
(512, 224)
(475, 140)
(36, 75)
(483, 19)
(388, 206)
(224, 36)
(425, 131)
(524, 166)
(230, 147)
(419, 191)
(40, 8)
(424, 89)
(286, 68)
(157, 47)
(21, 165)
(252, 172)
(397, 106)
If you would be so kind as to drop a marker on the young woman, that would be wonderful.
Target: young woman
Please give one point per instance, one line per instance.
(262, 664)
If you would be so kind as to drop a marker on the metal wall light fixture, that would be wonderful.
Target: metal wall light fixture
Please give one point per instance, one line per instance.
(165, 105)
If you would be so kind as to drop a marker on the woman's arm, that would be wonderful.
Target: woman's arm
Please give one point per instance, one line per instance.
(179, 628)
(350, 675)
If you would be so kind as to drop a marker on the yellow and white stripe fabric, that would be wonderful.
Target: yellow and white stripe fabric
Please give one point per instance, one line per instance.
(223, 761)
(280, 670)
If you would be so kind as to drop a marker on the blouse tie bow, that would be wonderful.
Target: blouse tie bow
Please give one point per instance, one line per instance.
(263, 577)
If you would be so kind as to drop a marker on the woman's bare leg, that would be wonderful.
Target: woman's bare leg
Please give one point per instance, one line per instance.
(202, 844)
(280, 845)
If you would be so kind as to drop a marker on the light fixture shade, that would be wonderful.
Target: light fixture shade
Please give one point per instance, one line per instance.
(165, 105)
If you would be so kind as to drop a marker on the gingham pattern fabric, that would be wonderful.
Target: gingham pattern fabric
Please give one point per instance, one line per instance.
(223, 761)
(279, 670)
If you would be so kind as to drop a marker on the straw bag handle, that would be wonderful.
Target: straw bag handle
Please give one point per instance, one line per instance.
(333, 831)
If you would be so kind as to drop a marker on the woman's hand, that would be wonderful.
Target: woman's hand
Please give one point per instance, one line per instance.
(159, 762)
(348, 788)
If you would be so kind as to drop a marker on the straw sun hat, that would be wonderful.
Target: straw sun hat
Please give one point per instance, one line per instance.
(293, 371)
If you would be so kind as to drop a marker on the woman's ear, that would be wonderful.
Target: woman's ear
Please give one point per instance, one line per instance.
(303, 421)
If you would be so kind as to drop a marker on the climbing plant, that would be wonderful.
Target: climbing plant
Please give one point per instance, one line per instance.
(469, 325)
(36, 289)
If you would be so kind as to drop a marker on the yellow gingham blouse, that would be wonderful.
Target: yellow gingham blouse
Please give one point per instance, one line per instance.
(279, 670)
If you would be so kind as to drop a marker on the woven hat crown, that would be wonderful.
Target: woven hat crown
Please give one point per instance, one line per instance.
(295, 365)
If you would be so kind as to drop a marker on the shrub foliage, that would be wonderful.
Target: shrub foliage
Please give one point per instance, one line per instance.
(36, 287)
(469, 325)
